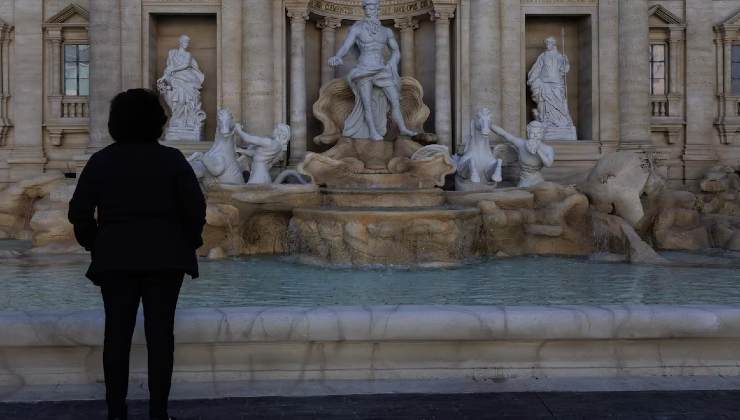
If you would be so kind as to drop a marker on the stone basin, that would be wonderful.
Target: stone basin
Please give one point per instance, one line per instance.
(364, 236)
(385, 197)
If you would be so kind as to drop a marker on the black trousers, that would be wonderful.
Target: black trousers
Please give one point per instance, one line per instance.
(121, 295)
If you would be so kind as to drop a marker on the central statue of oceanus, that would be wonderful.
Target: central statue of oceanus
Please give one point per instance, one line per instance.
(374, 82)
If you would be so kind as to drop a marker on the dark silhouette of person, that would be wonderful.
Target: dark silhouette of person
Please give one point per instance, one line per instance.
(139, 210)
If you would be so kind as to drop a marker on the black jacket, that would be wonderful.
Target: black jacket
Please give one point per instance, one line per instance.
(150, 210)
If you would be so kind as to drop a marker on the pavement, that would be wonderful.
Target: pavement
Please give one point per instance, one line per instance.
(638, 405)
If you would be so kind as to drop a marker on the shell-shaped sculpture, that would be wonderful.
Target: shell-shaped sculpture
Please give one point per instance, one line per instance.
(336, 101)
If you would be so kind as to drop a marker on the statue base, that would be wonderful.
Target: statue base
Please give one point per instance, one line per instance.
(184, 134)
(362, 163)
(560, 133)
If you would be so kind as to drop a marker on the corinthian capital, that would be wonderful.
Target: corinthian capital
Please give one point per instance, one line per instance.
(329, 23)
(443, 10)
(406, 24)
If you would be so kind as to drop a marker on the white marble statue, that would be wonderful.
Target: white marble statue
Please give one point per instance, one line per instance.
(534, 154)
(180, 85)
(375, 83)
(477, 164)
(547, 81)
(262, 153)
(219, 165)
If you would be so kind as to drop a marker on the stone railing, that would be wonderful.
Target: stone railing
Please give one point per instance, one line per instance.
(659, 106)
(75, 107)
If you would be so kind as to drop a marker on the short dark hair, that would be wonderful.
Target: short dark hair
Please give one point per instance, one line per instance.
(136, 116)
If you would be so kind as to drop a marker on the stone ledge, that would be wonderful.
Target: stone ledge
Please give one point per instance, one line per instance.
(390, 323)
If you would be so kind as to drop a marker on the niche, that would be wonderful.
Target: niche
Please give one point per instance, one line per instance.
(164, 33)
(573, 34)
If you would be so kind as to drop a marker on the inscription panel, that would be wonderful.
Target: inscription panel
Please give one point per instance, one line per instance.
(352, 9)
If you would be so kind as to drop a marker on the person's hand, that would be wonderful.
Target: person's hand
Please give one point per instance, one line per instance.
(238, 127)
(335, 61)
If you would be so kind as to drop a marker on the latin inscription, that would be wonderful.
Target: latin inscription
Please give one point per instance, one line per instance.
(386, 11)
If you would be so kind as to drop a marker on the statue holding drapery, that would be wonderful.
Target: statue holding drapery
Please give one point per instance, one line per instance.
(180, 86)
(547, 81)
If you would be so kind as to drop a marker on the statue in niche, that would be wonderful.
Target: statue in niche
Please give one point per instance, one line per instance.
(262, 153)
(180, 85)
(375, 83)
(534, 154)
(547, 81)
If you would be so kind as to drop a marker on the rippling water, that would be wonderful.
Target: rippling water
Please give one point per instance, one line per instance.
(57, 282)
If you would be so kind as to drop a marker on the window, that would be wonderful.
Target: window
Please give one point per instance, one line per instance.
(76, 70)
(657, 69)
(735, 70)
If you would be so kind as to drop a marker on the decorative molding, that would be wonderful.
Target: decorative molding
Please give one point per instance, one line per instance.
(731, 22)
(665, 15)
(352, 9)
(68, 12)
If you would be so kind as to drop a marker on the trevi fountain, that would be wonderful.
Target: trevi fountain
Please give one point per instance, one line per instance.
(398, 190)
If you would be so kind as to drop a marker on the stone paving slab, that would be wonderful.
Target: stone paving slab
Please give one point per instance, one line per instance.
(650, 405)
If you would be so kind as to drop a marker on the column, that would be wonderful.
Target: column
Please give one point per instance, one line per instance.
(27, 156)
(700, 151)
(407, 26)
(328, 27)
(105, 67)
(442, 74)
(608, 75)
(54, 50)
(231, 56)
(513, 85)
(634, 71)
(258, 67)
(485, 46)
(279, 62)
(298, 143)
(131, 73)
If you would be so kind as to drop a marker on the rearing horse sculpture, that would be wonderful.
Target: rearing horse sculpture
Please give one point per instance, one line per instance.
(478, 168)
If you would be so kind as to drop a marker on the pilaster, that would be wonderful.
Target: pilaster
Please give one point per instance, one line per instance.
(441, 15)
(298, 14)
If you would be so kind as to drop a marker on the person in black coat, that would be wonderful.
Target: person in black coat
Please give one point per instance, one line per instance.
(139, 210)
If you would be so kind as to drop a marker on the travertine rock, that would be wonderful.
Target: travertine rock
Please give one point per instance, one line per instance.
(252, 219)
(17, 203)
(678, 224)
(615, 184)
(720, 191)
(546, 219)
(367, 236)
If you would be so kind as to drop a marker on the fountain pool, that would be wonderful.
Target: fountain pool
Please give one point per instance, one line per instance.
(57, 282)
(273, 319)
